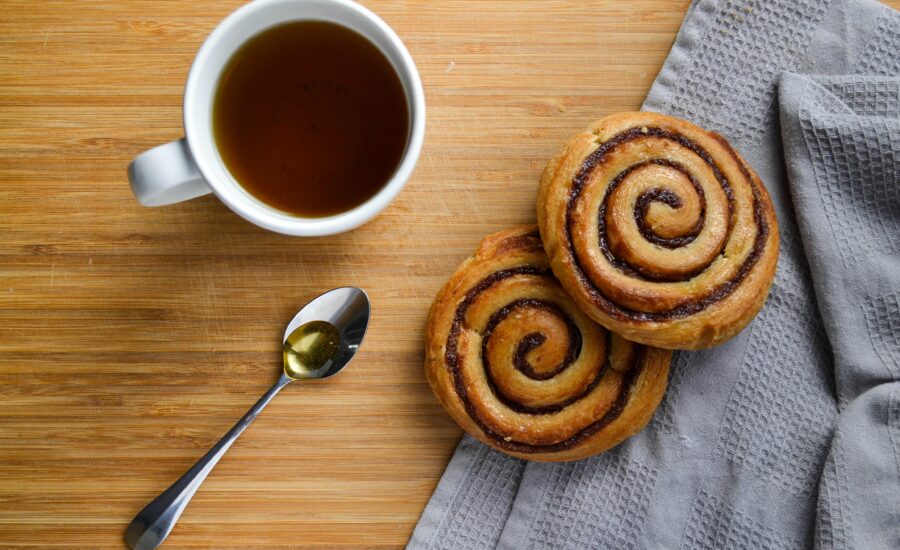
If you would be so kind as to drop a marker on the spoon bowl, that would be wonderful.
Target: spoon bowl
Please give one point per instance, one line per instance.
(347, 310)
(318, 343)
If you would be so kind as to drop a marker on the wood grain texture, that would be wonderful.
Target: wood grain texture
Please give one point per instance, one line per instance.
(132, 338)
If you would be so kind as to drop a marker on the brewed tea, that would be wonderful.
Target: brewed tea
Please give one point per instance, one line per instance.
(310, 118)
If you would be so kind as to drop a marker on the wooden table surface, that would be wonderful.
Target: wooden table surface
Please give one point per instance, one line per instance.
(132, 338)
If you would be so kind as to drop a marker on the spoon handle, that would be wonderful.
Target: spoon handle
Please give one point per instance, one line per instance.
(152, 525)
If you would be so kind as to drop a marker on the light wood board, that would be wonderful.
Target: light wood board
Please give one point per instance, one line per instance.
(132, 338)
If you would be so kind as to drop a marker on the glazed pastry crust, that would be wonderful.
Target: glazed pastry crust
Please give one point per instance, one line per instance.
(659, 230)
(518, 365)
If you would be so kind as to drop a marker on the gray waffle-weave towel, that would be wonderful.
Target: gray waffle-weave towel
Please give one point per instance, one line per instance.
(788, 436)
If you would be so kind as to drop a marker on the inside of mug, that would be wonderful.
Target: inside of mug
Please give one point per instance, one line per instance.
(203, 81)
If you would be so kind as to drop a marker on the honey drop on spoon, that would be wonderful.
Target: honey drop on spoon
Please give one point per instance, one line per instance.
(310, 349)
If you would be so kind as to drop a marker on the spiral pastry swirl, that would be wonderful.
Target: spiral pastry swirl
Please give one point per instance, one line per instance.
(520, 367)
(659, 230)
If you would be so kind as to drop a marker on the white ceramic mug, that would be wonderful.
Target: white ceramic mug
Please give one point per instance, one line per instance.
(192, 166)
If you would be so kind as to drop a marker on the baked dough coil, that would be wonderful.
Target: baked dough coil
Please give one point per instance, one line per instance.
(520, 367)
(659, 230)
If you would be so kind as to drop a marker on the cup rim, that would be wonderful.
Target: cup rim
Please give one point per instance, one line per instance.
(242, 202)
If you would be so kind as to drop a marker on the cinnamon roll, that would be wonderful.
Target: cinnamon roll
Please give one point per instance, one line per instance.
(659, 230)
(521, 368)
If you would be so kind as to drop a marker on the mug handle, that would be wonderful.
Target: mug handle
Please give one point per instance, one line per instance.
(166, 174)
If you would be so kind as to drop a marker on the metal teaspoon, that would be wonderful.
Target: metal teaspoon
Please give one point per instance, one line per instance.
(318, 343)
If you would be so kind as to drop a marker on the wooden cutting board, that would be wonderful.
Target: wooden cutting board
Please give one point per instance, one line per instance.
(132, 338)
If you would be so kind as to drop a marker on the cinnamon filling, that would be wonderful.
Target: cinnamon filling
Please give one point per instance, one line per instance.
(534, 340)
(671, 199)
(640, 213)
(528, 343)
(687, 308)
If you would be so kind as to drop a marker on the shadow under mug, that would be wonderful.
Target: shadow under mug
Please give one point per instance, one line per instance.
(192, 166)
